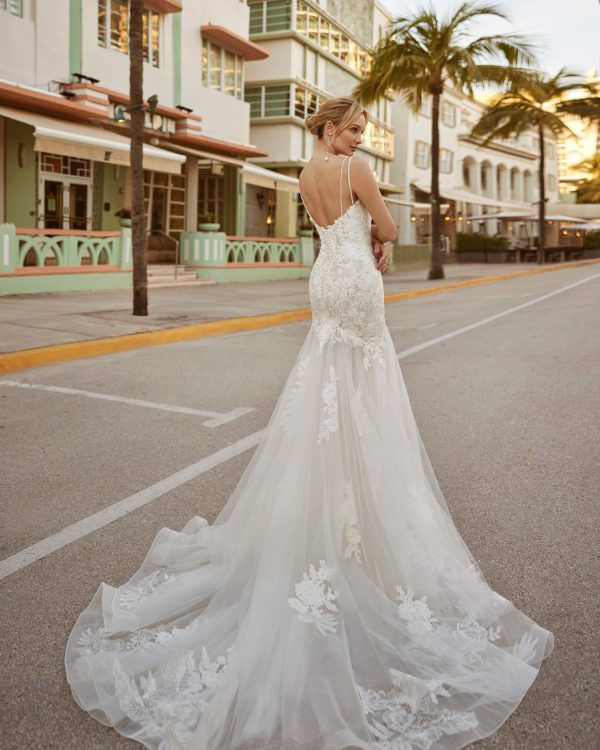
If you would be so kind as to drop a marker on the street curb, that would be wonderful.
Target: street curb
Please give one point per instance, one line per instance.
(45, 355)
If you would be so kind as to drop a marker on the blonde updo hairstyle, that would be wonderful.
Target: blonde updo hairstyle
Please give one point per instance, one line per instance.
(341, 110)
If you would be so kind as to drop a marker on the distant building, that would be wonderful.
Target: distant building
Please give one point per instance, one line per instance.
(576, 148)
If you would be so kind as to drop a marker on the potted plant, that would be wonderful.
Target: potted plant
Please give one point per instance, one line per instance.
(207, 222)
(124, 217)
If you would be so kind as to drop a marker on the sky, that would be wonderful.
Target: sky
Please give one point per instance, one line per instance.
(566, 32)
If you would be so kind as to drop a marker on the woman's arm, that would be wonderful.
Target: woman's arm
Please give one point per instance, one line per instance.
(366, 188)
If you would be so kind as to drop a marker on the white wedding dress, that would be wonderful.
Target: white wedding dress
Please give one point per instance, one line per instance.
(332, 603)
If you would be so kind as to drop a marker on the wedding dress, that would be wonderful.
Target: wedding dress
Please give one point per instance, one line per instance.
(332, 603)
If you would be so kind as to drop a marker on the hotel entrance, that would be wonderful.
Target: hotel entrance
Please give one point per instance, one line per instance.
(65, 193)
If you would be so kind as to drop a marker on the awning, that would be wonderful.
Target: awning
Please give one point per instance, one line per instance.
(255, 175)
(225, 37)
(252, 174)
(89, 142)
(464, 196)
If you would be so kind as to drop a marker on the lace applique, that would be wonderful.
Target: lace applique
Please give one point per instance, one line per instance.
(328, 332)
(396, 725)
(170, 700)
(415, 612)
(329, 418)
(292, 400)
(525, 649)
(357, 406)
(350, 524)
(130, 595)
(315, 594)
(477, 637)
(99, 640)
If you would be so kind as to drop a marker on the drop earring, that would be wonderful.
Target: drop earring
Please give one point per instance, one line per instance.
(327, 147)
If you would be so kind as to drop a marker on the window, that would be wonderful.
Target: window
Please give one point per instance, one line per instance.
(426, 107)
(446, 160)
(113, 29)
(305, 103)
(14, 7)
(448, 114)
(551, 182)
(222, 70)
(323, 33)
(378, 137)
(421, 154)
(274, 101)
(270, 15)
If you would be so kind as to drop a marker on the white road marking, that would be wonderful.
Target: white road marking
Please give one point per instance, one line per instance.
(489, 319)
(79, 529)
(216, 419)
(75, 531)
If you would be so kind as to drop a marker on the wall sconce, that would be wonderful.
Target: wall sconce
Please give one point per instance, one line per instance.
(577, 234)
(269, 220)
(119, 115)
(564, 231)
(260, 199)
(460, 217)
(446, 218)
(413, 218)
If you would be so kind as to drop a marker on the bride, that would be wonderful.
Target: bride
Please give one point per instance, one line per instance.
(332, 603)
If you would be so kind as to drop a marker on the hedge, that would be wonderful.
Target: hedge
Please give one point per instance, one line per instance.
(592, 239)
(466, 243)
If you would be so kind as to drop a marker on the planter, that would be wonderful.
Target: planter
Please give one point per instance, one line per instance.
(209, 227)
(125, 222)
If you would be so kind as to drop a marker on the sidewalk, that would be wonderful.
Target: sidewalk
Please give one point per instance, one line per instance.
(33, 321)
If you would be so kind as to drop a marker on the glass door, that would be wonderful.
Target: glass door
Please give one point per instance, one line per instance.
(52, 217)
(78, 202)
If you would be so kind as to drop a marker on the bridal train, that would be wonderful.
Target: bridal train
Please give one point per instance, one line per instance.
(332, 604)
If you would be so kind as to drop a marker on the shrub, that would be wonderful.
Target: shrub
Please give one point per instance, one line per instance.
(592, 239)
(474, 242)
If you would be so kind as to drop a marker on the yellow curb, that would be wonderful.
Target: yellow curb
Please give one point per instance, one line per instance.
(45, 355)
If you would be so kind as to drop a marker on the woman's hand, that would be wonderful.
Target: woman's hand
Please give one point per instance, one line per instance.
(381, 253)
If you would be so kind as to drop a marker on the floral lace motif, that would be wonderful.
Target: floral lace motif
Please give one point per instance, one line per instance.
(99, 640)
(398, 725)
(170, 700)
(346, 289)
(130, 595)
(415, 612)
(330, 332)
(314, 596)
(292, 400)
(329, 418)
(350, 524)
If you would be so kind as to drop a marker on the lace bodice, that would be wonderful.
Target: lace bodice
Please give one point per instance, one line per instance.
(345, 287)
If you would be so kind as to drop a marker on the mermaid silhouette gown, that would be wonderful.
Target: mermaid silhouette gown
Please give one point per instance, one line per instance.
(332, 603)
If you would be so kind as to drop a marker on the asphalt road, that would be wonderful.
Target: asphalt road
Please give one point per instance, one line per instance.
(509, 411)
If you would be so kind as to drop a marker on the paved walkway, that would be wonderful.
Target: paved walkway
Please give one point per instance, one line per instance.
(31, 322)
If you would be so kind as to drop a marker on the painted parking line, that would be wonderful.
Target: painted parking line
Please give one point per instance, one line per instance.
(490, 318)
(216, 419)
(75, 531)
(87, 525)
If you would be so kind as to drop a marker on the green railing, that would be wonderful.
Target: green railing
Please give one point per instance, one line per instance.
(215, 255)
(48, 260)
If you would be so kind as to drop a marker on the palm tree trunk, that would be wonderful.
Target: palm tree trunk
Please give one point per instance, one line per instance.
(436, 269)
(542, 206)
(138, 219)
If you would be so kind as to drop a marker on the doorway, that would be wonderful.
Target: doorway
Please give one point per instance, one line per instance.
(65, 193)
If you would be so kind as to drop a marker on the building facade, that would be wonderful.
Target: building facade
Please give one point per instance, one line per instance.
(316, 50)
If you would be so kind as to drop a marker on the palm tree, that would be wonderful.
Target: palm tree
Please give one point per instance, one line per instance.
(421, 55)
(588, 191)
(539, 101)
(136, 109)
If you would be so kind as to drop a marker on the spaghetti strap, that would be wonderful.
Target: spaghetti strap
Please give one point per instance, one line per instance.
(349, 160)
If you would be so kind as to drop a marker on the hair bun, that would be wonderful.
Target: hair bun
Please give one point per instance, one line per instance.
(311, 123)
